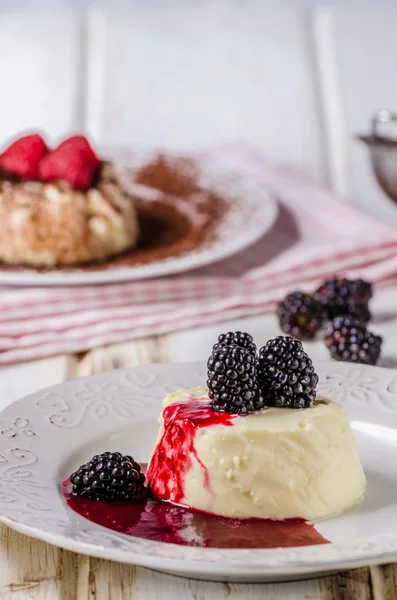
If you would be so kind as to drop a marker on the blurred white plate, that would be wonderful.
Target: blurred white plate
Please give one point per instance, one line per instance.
(252, 214)
(44, 436)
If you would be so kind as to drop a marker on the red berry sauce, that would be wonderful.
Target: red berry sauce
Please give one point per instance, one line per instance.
(152, 519)
(172, 457)
(166, 520)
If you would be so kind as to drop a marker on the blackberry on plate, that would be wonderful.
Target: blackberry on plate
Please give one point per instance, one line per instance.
(236, 338)
(348, 339)
(341, 296)
(232, 382)
(286, 374)
(109, 476)
(300, 315)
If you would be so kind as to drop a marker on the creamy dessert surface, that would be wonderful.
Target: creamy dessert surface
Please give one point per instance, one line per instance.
(46, 224)
(277, 463)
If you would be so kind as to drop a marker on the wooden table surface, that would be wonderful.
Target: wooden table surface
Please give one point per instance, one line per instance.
(34, 569)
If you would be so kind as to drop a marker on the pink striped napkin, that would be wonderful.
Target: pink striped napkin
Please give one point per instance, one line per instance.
(314, 236)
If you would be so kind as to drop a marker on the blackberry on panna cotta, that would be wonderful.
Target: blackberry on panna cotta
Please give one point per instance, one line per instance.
(236, 338)
(348, 339)
(300, 315)
(109, 476)
(286, 375)
(232, 380)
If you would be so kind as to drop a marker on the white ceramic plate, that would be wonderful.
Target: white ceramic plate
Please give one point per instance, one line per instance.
(45, 436)
(253, 214)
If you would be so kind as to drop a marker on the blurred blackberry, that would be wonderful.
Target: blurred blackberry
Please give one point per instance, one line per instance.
(232, 381)
(238, 338)
(286, 374)
(360, 312)
(348, 339)
(109, 476)
(300, 315)
(341, 296)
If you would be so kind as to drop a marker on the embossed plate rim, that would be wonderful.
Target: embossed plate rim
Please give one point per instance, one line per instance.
(37, 433)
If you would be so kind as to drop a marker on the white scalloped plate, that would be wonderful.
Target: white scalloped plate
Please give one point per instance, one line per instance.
(43, 437)
(252, 213)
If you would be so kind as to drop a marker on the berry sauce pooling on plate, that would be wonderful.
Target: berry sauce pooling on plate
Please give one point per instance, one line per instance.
(173, 454)
(158, 521)
(286, 374)
(232, 381)
(236, 338)
(348, 339)
(300, 315)
(341, 296)
(109, 476)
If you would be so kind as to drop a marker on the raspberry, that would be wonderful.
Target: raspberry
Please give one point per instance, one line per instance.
(22, 157)
(77, 143)
(72, 165)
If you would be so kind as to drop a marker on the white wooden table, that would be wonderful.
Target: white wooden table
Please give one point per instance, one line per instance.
(33, 569)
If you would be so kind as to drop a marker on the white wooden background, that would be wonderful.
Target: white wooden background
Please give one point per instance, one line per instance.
(298, 83)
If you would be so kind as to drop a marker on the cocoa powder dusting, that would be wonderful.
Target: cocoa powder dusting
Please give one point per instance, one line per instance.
(177, 176)
(183, 218)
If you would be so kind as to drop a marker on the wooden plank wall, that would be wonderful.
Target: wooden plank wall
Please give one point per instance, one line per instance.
(296, 83)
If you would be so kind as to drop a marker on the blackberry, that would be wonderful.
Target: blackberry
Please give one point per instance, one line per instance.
(109, 476)
(348, 339)
(238, 338)
(360, 312)
(300, 315)
(286, 374)
(232, 381)
(341, 296)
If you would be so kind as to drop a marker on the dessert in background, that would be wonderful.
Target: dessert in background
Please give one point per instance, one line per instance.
(339, 308)
(61, 206)
(65, 208)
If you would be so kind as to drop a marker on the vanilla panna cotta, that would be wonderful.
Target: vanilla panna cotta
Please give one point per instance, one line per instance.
(277, 463)
(257, 442)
